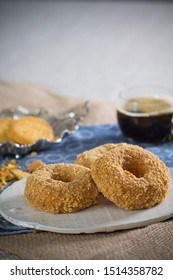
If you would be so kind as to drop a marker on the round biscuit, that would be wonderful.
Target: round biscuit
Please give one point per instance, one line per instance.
(29, 129)
(4, 127)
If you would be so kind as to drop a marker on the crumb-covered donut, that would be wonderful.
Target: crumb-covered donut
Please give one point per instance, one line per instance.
(86, 158)
(61, 188)
(131, 177)
(29, 129)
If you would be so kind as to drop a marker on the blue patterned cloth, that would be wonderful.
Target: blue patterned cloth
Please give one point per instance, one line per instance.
(87, 137)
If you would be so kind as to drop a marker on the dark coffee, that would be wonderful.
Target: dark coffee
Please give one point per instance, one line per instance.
(146, 119)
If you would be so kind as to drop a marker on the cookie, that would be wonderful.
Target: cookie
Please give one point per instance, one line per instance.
(4, 127)
(29, 129)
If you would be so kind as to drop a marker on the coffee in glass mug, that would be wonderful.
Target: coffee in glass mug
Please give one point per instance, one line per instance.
(145, 113)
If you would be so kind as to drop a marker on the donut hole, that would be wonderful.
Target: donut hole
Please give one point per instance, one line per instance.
(63, 173)
(138, 169)
(66, 178)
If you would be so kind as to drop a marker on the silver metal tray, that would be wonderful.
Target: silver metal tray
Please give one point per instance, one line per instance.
(62, 125)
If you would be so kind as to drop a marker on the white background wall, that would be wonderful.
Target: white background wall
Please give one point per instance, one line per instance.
(87, 48)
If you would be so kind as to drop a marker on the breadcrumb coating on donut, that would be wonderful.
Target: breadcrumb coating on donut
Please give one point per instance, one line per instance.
(131, 177)
(61, 188)
(86, 158)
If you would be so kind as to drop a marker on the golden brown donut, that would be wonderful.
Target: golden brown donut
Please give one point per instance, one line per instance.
(61, 188)
(131, 177)
(86, 158)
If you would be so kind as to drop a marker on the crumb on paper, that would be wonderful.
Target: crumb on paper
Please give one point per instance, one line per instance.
(19, 174)
(6, 174)
(34, 165)
(33, 154)
(11, 172)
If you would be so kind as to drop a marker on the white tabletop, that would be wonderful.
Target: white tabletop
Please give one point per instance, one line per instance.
(87, 48)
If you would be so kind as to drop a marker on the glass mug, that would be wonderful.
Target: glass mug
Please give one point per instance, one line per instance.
(145, 113)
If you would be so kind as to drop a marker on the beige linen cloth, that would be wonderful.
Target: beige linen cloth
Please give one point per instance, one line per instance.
(150, 242)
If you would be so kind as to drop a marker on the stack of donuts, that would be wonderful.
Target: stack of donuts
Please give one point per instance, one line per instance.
(127, 175)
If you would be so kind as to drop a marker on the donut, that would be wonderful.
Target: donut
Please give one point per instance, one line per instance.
(61, 188)
(29, 129)
(131, 177)
(86, 158)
